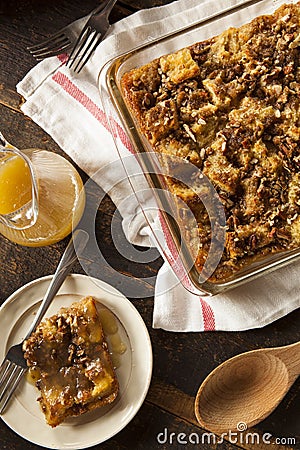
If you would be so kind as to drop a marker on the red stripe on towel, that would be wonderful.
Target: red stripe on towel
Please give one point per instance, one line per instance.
(208, 316)
(63, 58)
(77, 94)
(80, 97)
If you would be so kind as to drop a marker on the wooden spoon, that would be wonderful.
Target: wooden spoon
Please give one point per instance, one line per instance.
(245, 389)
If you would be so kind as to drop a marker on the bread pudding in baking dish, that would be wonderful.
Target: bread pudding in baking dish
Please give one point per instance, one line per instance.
(230, 105)
(70, 361)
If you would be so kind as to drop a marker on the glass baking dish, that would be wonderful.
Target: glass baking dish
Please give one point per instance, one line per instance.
(170, 219)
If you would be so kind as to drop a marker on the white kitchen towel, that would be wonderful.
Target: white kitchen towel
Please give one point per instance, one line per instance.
(68, 107)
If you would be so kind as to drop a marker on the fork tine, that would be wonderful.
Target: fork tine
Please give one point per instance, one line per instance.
(11, 385)
(88, 41)
(88, 52)
(52, 45)
(3, 370)
(47, 41)
(61, 50)
(55, 45)
(6, 378)
(55, 50)
(85, 30)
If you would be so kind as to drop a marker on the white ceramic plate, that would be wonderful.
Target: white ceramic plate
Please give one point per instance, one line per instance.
(23, 414)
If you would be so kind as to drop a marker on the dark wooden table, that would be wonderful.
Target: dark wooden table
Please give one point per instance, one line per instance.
(181, 360)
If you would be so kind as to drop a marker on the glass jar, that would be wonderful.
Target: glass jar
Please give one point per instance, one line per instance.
(41, 195)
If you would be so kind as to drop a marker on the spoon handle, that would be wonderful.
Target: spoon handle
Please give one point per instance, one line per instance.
(290, 355)
(68, 259)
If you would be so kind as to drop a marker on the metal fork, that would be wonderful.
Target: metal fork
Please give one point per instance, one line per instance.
(14, 364)
(90, 37)
(62, 41)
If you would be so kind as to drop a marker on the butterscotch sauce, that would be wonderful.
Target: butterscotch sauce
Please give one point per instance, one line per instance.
(117, 344)
(111, 331)
(108, 320)
(15, 184)
(33, 375)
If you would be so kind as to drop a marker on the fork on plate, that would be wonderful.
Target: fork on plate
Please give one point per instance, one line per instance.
(63, 40)
(14, 365)
(90, 37)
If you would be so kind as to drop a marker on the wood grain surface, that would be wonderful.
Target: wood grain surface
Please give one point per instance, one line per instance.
(181, 360)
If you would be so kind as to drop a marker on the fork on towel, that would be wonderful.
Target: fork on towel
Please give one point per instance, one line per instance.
(63, 40)
(90, 37)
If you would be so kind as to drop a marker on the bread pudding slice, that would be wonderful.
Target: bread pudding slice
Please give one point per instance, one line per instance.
(70, 360)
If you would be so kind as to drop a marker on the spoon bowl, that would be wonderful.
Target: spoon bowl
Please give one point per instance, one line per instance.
(246, 388)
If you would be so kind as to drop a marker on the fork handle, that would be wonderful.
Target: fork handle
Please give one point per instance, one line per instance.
(106, 8)
(103, 5)
(68, 259)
